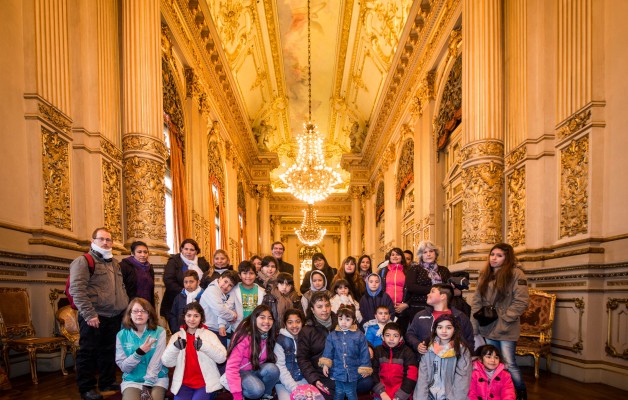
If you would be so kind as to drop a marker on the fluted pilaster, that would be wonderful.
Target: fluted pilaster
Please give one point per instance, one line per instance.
(343, 237)
(264, 217)
(356, 220)
(108, 70)
(515, 82)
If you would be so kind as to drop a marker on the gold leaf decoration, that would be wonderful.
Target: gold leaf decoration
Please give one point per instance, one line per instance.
(574, 196)
(405, 169)
(482, 204)
(379, 203)
(450, 112)
(515, 156)
(488, 148)
(109, 149)
(56, 177)
(145, 144)
(55, 117)
(517, 207)
(574, 124)
(112, 195)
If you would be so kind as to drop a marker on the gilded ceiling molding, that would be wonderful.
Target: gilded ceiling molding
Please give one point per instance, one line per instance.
(55, 117)
(112, 196)
(56, 180)
(450, 112)
(516, 222)
(516, 156)
(574, 188)
(482, 204)
(405, 169)
(574, 124)
(383, 22)
(110, 150)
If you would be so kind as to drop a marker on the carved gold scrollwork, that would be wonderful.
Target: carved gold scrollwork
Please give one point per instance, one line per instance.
(574, 181)
(515, 156)
(56, 178)
(489, 148)
(145, 144)
(109, 149)
(264, 191)
(611, 305)
(455, 37)
(450, 111)
(55, 117)
(405, 169)
(574, 124)
(112, 195)
(379, 203)
(482, 204)
(517, 207)
(145, 201)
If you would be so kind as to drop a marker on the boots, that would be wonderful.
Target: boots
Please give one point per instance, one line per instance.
(522, 394)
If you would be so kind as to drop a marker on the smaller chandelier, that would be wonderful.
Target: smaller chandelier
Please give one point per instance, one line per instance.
(310, 233)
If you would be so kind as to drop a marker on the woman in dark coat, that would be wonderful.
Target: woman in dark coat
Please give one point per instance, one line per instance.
(177, 264)
(138, 274)
(318, 262)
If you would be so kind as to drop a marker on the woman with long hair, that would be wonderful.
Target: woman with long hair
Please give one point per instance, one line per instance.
(365, 266)
(503, 285)
(319, 262)
(348, 271)
(394, 281)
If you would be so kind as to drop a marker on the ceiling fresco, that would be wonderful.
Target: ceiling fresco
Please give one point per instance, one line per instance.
(353, 45)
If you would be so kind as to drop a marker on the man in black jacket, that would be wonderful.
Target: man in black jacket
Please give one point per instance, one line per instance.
(277, 250)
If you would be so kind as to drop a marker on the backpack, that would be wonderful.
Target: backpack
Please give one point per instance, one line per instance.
(90, 264)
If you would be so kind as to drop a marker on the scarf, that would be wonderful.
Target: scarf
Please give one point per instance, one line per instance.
(379, 289)
(326, 324)
(395, 267)
(441, 351)
(266, 278)
(106, 255)
(193, 265)
(380, 331)
(432, 272)
(138, 264)
(191, 296)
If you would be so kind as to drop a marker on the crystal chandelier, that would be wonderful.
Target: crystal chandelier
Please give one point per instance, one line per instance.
(310, 233)
(310, 179)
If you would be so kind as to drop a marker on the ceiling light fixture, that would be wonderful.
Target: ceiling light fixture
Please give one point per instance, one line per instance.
(310, 233)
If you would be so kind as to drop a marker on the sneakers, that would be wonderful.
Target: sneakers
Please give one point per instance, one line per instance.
(91, 395)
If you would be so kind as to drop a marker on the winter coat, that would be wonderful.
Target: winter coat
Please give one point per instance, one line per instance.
(285, 267)
(310, 347)
(129, 276)
(219, 307)
(369, 303)
(419, 284)
(240, 360)
(420, 328)
(395, 371)
(305, 299)
(173, 280)
(175, 316)
(212, 352)
(509, 309)
(455, 375)
(383, 272)
(329, 276)
(286, 353)
(144, 369)
(498, 388)
(346, 355)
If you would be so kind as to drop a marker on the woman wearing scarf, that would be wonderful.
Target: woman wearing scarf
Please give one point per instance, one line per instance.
(422, 276)
(175, 268)
(138, 275)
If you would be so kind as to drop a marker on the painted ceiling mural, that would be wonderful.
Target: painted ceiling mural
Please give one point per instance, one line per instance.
(353, 45)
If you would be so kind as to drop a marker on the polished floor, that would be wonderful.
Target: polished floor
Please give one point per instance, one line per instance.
(54, 386)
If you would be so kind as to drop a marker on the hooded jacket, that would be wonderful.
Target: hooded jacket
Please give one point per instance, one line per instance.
(371, 300)
(454, 374)
(395, 371)
(305, 299)
(329, 276)
(498, 388)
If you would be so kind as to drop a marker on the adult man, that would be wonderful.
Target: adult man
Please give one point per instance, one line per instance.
(420, 330)
(277, 250)
(101, 299)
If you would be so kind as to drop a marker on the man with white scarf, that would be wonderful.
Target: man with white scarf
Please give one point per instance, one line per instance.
(101, 299)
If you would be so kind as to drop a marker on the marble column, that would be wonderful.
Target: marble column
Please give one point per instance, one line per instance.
(356, 220)
(144, 151)
(264, 217)
(344, 221)
(482, 136)
(276, 222)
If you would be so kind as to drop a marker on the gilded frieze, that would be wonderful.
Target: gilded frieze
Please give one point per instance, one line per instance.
(574, 124)
(515, 156)
(455, 37)
(379, 203)
(516, 207)
(241, 200)
(56, 179)
(145, 198)
(574, 192)
(112, 195)
(109, 149)
(145, 144)
(55, 117)
(488, 148)
(216, 170)
(405, 169)
(450, 112)
(482, 204)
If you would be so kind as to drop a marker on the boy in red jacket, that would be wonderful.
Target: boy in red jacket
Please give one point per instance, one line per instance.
(395, 368)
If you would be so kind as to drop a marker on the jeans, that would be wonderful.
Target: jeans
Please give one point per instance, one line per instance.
(507, 348)
(97, 351)
(346, 388)
(364, 385)
(187, 393)
(255, 384)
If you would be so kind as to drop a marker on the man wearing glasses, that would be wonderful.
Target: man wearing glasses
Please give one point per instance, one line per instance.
(100, 298)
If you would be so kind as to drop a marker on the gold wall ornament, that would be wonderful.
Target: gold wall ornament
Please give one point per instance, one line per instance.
(144, 144)
(574, 188)
(482, 204)
(193, 87)
(515, 156)
(166, 43)
(405, 168)
(480, 149)
(216, 169)
(110, 150)
(241, 200)
(389, 156)
(516, 207)
(55, 117)
(264, 191)
(611, 348)
(172, 105)
(426, 91)
(450, 109)
(455, 37)
(56, 180)
(145, 198)
(379, 203)
(112, 195)
(574, 124)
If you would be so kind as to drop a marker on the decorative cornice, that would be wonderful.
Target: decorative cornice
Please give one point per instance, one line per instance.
(516, 156)
(110, 150)
(574, 124)
(55, 117)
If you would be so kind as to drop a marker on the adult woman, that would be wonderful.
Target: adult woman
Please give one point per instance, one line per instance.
(179, 263)
(365, 266)
(422, 276)
(139, 347)
(394, 278)
(137, 274)
(257, 261)
(347, 271)
(311, 343)
(504, 286)
(319, 262)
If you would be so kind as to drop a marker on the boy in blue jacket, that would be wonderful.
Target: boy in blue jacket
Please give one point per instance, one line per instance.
(374, 328)
(191, 292)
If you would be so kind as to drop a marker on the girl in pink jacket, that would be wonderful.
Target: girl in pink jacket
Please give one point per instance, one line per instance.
(490, 379)
(251, 371)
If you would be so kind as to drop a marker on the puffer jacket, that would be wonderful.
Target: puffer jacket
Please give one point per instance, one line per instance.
(509, 309)
(499, 388)
(395, 371)
(310, 346)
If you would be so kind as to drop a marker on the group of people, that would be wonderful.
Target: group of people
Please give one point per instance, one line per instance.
(391, 330)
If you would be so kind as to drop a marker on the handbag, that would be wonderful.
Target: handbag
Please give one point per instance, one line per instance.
(486, 315)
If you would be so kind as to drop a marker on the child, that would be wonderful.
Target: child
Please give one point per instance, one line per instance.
(290, 375)
(318, 283)
(490, 379)
(343, 296)
(191, 292)
(375, 327)
(346, 354)
(374, 298)
(139, 346)
(219, 305)
(395, 368)
(282, 293)
(194, 351)
(251, 371)
(445, 370)
(247, 294)
(267, 275)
